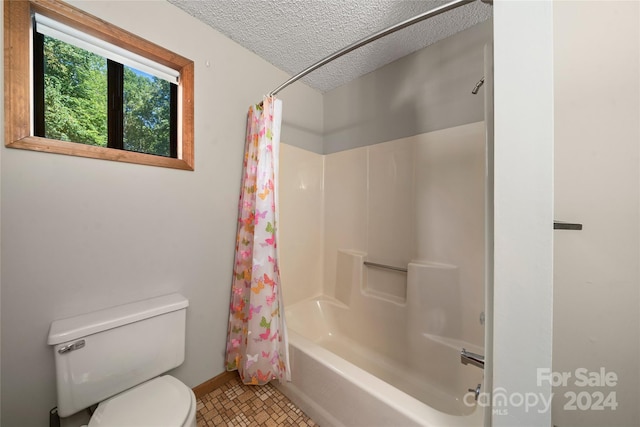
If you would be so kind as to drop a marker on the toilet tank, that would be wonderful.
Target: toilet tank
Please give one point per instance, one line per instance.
(100, 354)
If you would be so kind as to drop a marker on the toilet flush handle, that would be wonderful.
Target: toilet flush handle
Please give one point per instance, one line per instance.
(70, 347)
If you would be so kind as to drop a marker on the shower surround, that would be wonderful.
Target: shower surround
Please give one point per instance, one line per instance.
(362, 335)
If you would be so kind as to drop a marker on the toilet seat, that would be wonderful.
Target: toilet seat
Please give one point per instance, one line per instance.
(160, 402)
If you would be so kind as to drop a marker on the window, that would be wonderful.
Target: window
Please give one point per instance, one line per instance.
(97, 91)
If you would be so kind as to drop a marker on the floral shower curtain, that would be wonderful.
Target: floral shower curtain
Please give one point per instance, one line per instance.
(256, 339)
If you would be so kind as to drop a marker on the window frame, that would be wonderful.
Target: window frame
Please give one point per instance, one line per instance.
(19, 93)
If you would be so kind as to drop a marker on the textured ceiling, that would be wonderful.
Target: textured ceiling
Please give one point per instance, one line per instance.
(294, 34)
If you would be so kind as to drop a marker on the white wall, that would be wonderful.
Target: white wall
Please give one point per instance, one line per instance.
(301, 226)
(597, 183)
(523, 206)
(81, 234)
(416, 199)
(346, 215)
(422, 92)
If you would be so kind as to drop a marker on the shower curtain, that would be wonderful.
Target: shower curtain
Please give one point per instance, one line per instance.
(256, 338)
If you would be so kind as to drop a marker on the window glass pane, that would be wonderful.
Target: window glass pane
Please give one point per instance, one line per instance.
(75, 94)
(147, 113)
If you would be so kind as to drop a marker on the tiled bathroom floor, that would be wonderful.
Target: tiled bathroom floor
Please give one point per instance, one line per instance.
(239, 405)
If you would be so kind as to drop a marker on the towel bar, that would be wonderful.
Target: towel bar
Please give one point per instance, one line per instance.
(388, 267)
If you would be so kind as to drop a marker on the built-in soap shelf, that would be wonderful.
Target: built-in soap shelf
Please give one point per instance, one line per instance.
(561, 225)
(384, 282)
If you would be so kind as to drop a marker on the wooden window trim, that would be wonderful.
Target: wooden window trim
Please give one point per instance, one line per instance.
(17, 81)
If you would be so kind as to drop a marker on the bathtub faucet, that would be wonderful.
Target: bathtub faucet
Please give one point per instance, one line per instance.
(476, 391)
(467, 357)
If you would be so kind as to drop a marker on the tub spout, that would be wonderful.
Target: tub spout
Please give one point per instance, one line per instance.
(469, 358)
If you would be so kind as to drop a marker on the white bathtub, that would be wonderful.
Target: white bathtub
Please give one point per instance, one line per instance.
(344, 378)
(384, 348)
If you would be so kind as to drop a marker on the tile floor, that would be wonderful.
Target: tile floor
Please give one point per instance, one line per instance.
(238, 405)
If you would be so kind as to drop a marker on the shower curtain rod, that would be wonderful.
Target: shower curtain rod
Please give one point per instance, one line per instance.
(373, 37)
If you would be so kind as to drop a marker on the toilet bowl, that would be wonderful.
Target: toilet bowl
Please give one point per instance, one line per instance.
(160, 402)
(116, 358)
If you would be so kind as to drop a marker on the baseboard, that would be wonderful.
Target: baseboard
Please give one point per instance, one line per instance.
(215, 382)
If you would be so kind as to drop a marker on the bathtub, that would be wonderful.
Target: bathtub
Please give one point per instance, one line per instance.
(339, 380)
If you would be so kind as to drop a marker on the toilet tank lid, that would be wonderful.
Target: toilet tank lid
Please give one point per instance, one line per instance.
(72, 328)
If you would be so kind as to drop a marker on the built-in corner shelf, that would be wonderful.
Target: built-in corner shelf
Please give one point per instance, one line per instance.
(560, 225)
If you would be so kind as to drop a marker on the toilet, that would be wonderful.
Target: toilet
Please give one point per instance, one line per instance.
(116, 358)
